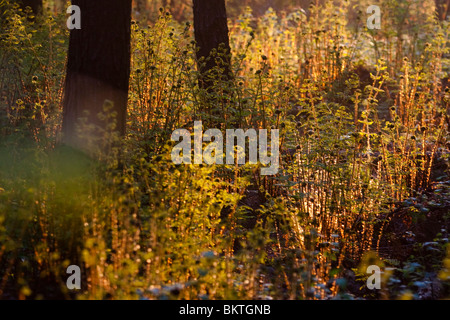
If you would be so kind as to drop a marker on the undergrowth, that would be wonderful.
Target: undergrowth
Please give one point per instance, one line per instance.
(363, 119)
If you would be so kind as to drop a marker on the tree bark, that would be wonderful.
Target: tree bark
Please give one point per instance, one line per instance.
(35, 5)
(98, 69)
(442, 9)
(211, 31)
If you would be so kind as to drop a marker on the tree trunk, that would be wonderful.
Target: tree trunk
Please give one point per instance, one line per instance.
(98, 70)
(213, 55)
(35, 5)
(442, 9)
(211, 31)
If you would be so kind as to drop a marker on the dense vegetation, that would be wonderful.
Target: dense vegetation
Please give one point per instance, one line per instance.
(363, 119)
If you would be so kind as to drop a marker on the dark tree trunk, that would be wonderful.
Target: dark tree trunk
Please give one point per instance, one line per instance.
(98, 68)
(211, 32)
(442, 8)
(213, 55)
(35, 5)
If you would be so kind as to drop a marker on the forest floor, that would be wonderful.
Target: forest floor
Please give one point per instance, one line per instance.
(411, 243)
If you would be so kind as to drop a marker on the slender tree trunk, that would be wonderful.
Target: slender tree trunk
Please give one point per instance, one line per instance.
(211, 32)
(213, 55)
(442, 8)
(98, 70)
